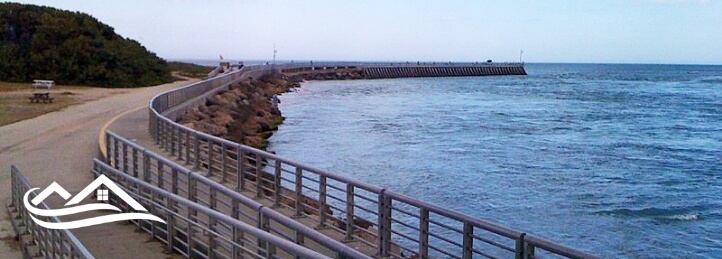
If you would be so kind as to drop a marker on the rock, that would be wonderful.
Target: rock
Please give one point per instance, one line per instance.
(212, 129)
(362, 223)
(264, 126)
(222, 119)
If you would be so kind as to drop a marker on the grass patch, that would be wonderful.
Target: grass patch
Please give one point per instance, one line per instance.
(190, 70)
(15, 103)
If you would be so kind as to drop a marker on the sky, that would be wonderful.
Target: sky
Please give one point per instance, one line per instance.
(570, 31)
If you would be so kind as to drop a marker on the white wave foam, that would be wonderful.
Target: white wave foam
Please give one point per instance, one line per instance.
(684, 217)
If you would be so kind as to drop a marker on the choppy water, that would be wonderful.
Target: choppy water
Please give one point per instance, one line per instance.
(617, 160)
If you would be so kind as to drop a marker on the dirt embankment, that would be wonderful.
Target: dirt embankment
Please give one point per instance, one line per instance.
(245, 114)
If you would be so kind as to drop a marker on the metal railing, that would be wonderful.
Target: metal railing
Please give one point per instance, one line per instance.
(393, 224)
(50, 243)
(156, 170)
(196, 231)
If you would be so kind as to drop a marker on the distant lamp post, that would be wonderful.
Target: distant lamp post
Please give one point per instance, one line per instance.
(521, 52)
(274, 54)
(273, 67)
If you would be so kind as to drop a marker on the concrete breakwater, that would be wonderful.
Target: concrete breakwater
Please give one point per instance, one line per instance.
(243, 113)
(397, 72)
(409, 70)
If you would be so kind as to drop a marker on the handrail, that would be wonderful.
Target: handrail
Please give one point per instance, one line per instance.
(186, 183)
(398, 223)
(171, 206)
(52, 243)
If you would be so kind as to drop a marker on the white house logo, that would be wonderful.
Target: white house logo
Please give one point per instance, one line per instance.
(69, 209)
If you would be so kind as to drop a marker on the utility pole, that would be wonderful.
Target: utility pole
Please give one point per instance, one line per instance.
(521, 52)
(273, 66)
(274, 54)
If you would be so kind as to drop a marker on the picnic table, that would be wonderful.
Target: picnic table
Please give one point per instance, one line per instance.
(44, 97)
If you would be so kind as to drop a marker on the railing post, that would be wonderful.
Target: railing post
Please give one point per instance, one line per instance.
(14, 187)
(192, 196)
(138, 193)
(213, 202)
(322, 202)
(107, 147)
(209, 173)
(519, 251)
(170, 225)
(174, 180)
(211, 238)
(125, 157)
(196, 151)
(154, 126)
(299, 193)
(224, 173)
(424, 232)
(162, 133)
(172, 146)
(135, 163)
(468, 240)
(384, 222)
(190, 235)
(349, 213)
(529, 251)
(241, 167)
(159, 178)
(116, 158)
(277, 184)
(152, 209)
(237, 241)
(259, 176)
(146, 167)
(237, 234)
(298, 239)
(263, 224)
(187, 144)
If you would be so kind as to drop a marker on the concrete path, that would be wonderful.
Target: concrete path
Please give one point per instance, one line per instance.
(59, 146)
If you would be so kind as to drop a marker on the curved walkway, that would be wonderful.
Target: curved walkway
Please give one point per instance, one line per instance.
(60, 146)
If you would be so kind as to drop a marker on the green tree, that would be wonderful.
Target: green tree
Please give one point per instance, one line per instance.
(72, 48)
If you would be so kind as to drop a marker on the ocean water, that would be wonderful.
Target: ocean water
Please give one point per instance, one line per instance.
(617, 160)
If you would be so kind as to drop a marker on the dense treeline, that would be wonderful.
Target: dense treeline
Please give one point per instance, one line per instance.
(71, 48)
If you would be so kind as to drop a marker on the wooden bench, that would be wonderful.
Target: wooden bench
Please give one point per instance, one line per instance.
(44, 97)
(43, 83)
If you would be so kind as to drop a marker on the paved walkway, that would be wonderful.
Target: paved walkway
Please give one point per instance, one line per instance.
(59, 146)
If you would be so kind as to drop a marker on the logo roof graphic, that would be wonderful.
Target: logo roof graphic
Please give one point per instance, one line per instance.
(52, 188)
(103, 180)
(70, 209)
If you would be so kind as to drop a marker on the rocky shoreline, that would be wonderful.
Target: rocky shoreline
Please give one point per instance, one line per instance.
(246, 114)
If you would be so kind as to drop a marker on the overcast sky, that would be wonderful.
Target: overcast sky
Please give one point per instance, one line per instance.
(609, 31)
